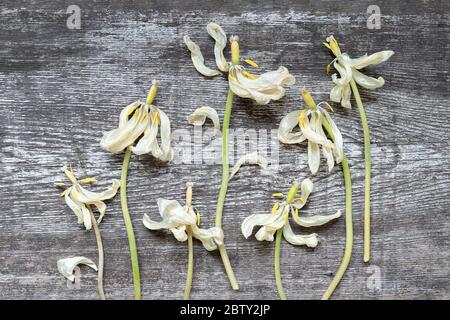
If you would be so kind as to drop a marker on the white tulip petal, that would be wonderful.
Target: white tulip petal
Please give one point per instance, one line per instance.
(313, 157)
(336, 93)
(266, 87)
(374, 58)
(317, 220)
(147, 142)
(255, 220)
(309, 132)
(346, 94)
(198, 60)
(126, 112)
(366, 81)
(250, 158)
(306, 188)
(220, 37)
(338, 149)
(173, 213)
(165, 152)
(67, 265)
(81, 194)
(287, 124)
(345, 73)
(265, 233)
(75, 206)
(155, 225)
(310, 240)
(326, 151)
(210, 238)
(179, 233)
(198, 118)
(120, 138)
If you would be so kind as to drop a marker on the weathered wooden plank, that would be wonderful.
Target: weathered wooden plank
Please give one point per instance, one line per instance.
(62, 88)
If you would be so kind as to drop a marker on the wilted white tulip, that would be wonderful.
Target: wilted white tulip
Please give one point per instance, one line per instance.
(67, 265)
(140, 123)
(310, 121)
(348, 69)
(263, 88)
(178, 219)
(279, 218)
(79, 199)
(278, 222)
(184, 222)
(350, 77)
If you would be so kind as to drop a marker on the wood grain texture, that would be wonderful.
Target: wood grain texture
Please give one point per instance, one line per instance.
(61, 88)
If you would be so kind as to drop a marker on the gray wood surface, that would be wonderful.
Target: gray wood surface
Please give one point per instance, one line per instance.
(60, 89)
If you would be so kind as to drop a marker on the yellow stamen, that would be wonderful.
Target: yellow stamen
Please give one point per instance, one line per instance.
(62, 194)
(328, 68)
(156, 118)
(252, 63)
(152, 92)
(326, 45)
(275, 207)
(88, 180)
(295, 214)
(329, 106)
(286, 217)
(58, 184)
(278, 195)
(249, 75)
(302, 118)
(132, 109)
(198, 218)
(308, 99)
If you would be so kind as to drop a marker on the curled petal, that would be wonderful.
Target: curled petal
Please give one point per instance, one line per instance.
(317, 220)
(345, 71)
(148, 141)
(346, 94)
(326, 151)
(366, 81)
(154, 225)
(118, 139)
(210, 238)
(180, 233)
(67, 265)
(374, 58)
(166, 153)
(338, 149)
(198, 60)
(313, 157)
(265, 233)
(82, 195)
(126, 112)
(75, 206)
(269, 222)
(198, 118)
(250, 158)
(268, 86)
(310, 240)
(309, 131)
(306, 187)
(287, 124)
(173, 213)
(336, 93)
(220, 37)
